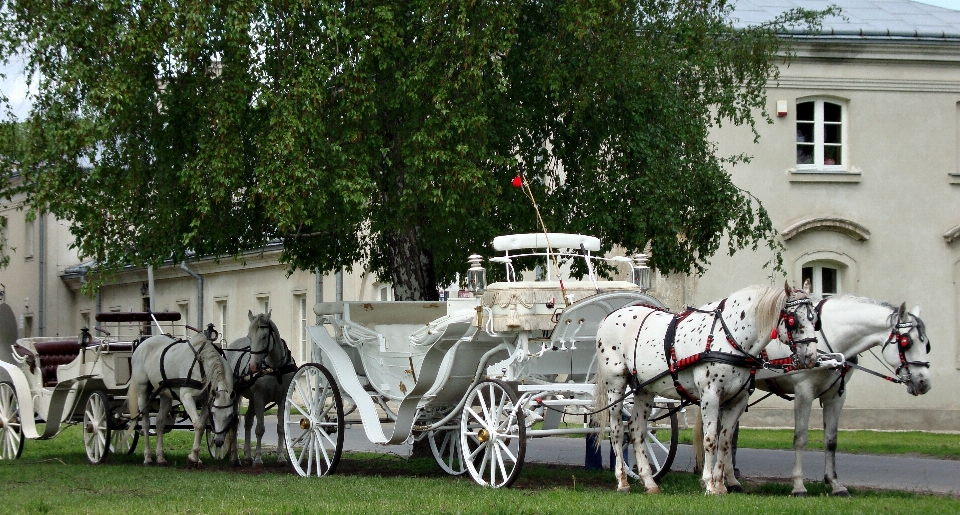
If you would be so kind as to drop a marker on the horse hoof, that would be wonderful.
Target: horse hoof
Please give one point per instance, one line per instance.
(735, 489)
(841, 493)
(623, 489)
(799, 494)
(654, 490)
(248, 462)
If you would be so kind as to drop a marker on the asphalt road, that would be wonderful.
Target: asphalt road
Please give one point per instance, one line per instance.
(857, 470)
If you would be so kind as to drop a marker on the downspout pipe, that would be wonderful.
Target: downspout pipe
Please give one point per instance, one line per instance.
(42, 251)
(199, 278)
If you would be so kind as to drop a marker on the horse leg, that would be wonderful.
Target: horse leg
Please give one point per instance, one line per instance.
(803, 399)
(199, 426)
(614, 388)
(281, 433)
(162, 414)
(143, 415)
(832, 404)
(247, 426)
(730, 418)
(233, 446)
(258, 411)
(642, 405)
(710, 417)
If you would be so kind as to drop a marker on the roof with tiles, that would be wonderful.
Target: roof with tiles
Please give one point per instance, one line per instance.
(867, 19)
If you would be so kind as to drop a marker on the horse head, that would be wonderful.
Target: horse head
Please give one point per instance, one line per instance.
(222, 397)
(796, 326)
(907, 349)
(265, 343)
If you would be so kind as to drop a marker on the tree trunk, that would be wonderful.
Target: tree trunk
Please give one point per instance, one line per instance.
(411, 266)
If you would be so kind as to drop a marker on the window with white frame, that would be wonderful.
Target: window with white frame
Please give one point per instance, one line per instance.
(183, 306)
(385, 292)
(821, 135)
(28, 239)
(302, 314)
(221, 310)
(823, 278)
(263, 300)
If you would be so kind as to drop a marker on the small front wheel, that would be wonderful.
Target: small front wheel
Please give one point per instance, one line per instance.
(445, 445)
(11, 433)
(493, 435)
(96, 427)
(123, 432)
(313, 421)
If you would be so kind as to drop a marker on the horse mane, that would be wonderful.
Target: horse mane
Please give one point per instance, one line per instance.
(768, 305)
(211, 359)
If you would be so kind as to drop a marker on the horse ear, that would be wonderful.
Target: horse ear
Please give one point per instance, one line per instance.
(902, 311)
(807, 287)
(269, 313)
(250, 315)
(787, 289)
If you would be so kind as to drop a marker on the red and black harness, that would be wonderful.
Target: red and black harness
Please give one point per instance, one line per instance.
(740, 359)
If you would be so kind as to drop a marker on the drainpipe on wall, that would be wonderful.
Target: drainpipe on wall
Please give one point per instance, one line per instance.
(318, 279)
(42, 251)
(199, 278)
(153, 302)
(340, 285)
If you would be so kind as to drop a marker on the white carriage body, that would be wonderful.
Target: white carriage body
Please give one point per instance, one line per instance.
(416, 361)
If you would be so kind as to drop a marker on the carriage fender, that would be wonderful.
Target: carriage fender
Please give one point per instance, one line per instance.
(24, 399)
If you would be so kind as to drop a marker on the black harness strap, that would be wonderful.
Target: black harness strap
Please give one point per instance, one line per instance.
(181, 382)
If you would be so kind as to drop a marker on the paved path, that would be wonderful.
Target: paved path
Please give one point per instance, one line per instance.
(888, 472)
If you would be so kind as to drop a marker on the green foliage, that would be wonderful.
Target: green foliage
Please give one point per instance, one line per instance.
(388, 132)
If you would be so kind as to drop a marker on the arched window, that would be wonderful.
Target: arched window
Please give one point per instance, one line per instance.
(821, 135)
(827, 273)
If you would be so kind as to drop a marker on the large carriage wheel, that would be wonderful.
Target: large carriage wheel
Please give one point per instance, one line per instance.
(96, 427)
(313, 421)
(11, 434)
(123, 432)
(493, 436)
(445, 445)
(216, 453)
(661, 441)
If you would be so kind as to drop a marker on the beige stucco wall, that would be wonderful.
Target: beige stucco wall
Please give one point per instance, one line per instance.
(902, 136)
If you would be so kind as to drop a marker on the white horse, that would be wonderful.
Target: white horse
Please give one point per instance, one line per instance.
(850, 325)
(191, 371)
(636, 344)
(262, 368)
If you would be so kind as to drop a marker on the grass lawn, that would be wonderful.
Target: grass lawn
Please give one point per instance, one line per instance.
(53, 477)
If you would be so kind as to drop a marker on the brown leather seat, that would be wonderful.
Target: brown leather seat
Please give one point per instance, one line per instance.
(52, 354)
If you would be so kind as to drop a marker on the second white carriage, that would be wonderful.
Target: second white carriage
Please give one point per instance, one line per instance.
(475, 376)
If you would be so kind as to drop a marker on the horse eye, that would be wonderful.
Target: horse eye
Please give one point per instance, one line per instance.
(233, 395)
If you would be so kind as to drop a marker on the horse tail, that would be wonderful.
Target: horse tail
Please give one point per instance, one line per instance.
(600, 401)
(698, 442)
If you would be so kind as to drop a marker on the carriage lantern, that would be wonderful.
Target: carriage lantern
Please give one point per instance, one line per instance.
(641, 272)
(476, 275)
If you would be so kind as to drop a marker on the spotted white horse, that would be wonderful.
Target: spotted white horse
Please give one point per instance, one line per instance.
(850, 325)
(636, 344)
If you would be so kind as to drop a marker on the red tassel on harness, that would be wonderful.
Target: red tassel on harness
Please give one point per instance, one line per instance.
(773, 334)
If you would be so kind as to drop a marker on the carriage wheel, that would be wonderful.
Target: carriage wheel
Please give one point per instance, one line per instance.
(11, 434)
(123, 433)
(313, 421)
(96, 428)
(493, 436)
(661, 442)
(445, 444)
(217, 453)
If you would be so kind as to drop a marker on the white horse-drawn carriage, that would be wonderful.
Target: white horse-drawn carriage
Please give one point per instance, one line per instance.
(64, 381)
(475, 376)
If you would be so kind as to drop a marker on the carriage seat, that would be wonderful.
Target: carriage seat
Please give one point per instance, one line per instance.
(52, 354)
